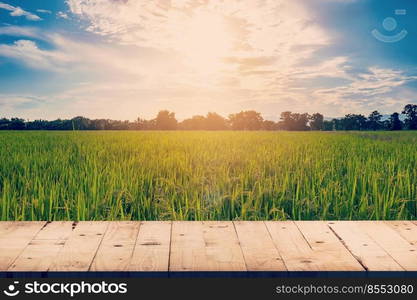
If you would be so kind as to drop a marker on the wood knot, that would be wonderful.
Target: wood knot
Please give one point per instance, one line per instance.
(151, 244)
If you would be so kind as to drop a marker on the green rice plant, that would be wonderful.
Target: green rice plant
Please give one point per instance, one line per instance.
(109, 175)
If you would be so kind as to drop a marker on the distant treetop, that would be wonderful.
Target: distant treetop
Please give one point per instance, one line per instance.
(244, 120)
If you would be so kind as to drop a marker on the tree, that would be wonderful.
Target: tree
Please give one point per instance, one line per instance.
(269, 125)
(37, 125)
(395, 122)
(317, 121)
(301, 121)
(410, 111)
(165, 120)
(328, 125)
(386, 124)
(246, 120)
(294, 121)
(212, 121)
(215, 121)
(338, 124)
(17, 124)
(4, 124)
(142, 124)
(353, 122)
(286, 122)
(374, 121)
(80, 123)
(195, 123)
(100, 124)
(60, 125)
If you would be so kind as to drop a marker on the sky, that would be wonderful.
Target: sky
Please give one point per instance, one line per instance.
(124, 59)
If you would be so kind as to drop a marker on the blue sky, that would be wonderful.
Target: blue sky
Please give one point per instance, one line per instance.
(123, 59)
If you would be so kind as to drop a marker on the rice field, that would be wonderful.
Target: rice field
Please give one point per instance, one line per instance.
(207, 175)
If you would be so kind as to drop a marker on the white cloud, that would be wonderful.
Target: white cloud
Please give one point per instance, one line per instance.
(195, 56)
(27, 52)
(62, 15)
(208, 30)
(368, 91)
(21, 31)
(44, 11)
(11, 105)
(16, 11)
(191, 54)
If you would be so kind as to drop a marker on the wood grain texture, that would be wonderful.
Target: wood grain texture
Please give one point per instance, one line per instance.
(205, 246)
(116, 249)
(258, 248)
(152, 249)
(331, 252)
(372, 256)
(42, 250)
(209, 246)
(56, 231)
(14, 240)
(81, 247)
(5, 226)
(406, 229)
(402, 251)
(296, 252)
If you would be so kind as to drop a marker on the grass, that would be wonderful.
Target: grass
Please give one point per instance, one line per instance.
(207, 175)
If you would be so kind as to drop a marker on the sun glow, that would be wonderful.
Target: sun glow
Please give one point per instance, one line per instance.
(205, 40)
(190, 55)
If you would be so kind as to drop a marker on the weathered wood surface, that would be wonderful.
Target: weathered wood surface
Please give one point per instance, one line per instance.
(209, 246)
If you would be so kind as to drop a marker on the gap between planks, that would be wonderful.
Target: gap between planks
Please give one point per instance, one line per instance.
(209, 246)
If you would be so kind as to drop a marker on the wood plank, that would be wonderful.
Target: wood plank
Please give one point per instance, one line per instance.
(117, 247)
(44, 247)
(364, 249)
(332, 254)
(258, 248)
(294, 248)
(209, 246)
(407, 229)
(5, 227)
(152, 248)
(81, 247)
(205, 246)
(396, 246)
(15, 240)
(56, 231)
(37, 256)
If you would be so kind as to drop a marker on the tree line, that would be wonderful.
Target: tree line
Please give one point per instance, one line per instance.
(244, 120)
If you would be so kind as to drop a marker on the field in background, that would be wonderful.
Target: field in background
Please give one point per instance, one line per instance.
(207, 175)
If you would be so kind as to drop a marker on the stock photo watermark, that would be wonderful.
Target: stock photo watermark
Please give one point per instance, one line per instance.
(390, 25)
(60, 288)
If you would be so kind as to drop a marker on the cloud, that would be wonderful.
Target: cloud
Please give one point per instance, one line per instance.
(121, 89)
(376, 87)
(215, 43)
(101, 61)
(16, 11)
(21, 31)
(241, 28)
(27, 52)
(44, 11)
(195, 56)
(62, 15)
(13, 105)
